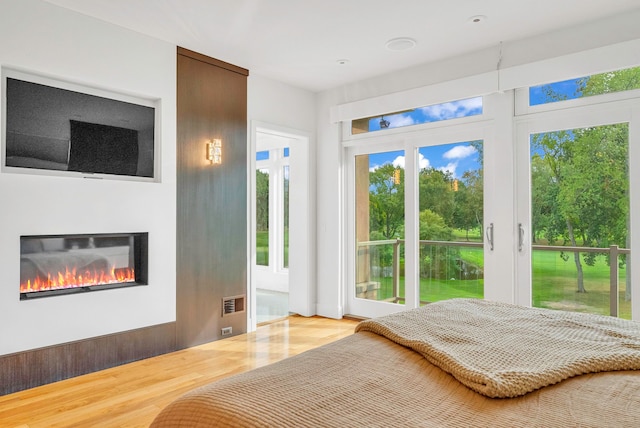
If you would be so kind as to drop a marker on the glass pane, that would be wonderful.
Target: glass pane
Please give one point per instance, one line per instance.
(262, 217)
(286, 216)
(380, 226)
(433, 113)
(597, 84)
(451, 206)
(286, 152)
(263, 155)
(580, 198)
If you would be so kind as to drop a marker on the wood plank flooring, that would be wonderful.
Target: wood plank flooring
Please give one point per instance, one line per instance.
(131, 395)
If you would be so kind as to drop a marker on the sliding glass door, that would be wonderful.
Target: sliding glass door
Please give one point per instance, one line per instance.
(575, 193)
(417, 231)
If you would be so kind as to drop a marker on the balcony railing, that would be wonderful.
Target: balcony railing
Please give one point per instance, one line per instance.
(613, 251)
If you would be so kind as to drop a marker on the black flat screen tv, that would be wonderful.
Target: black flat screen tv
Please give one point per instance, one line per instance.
(62, 128)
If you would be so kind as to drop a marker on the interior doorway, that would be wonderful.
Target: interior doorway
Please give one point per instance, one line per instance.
(280, 262)
(272, 227)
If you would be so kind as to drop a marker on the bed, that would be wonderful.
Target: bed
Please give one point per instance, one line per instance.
(456, 363)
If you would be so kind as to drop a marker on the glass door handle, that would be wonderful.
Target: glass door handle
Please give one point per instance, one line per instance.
(490, 236)
(520, 237)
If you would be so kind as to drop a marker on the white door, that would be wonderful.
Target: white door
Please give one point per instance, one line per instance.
(576, 183)
(420, 218)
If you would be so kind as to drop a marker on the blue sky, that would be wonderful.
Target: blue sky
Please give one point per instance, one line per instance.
(455, 158)
(568, 88)
(434, 113)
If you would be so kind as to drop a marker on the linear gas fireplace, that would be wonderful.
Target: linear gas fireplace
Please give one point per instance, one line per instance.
(63, 264)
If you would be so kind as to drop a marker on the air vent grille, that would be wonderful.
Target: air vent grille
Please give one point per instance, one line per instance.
(233, 305)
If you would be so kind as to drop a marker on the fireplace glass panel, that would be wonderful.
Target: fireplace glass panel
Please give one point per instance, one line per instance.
(63, 264)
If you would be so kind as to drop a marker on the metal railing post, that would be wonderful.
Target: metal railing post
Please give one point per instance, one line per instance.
(613, 280)
(396, 271)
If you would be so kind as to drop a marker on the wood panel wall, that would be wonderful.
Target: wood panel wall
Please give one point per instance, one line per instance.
(212, 199)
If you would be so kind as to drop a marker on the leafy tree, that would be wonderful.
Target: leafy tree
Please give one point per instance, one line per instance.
(436, 193)
(386, 200)
(545, 218)
(469, 201)
(262, 200)
(440, 262)
(613, 81)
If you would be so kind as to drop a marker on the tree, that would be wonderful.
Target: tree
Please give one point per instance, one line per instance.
(556, 151)
(262, 200)
(386, 200)
(469, 201)
(615, 81)
(440, 262)
(436, 193)
(545, 218)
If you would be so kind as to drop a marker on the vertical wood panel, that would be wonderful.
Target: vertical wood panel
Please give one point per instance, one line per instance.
(211, 200)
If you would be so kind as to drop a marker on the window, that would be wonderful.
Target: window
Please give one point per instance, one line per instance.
(433, 113)
(272, 208)
(596, 84)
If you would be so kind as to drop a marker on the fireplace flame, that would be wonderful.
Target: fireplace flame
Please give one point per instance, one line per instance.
(70, 278)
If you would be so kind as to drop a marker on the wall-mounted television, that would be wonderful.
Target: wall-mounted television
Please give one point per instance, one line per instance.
(56, 127)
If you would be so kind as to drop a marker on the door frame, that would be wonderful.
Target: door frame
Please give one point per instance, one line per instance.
(410, 143)
(581, 116)
(301, 222)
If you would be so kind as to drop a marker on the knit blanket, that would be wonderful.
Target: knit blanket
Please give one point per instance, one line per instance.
(502, 350)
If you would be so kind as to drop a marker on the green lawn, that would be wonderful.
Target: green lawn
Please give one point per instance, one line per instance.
(262, 248)
(555, 285)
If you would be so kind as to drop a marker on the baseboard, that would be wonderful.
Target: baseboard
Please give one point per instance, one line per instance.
(24, 370)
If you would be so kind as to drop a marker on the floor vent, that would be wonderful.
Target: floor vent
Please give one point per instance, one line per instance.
(233, 305)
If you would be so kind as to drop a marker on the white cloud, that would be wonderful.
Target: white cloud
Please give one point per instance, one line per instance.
(398, 162)
(450, 167)
(422, 161)
(453, 109)
(398, 121)
(459, 152)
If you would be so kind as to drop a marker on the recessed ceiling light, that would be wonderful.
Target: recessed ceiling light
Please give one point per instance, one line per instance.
(400, 44)
(477, 19)
(342, 61)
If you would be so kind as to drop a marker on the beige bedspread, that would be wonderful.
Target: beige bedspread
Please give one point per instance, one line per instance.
(502, 350)
(366, 380)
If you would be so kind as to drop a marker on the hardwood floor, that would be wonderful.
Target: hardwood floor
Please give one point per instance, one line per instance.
(132, 395)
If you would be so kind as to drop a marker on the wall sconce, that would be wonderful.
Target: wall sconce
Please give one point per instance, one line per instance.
(214, 151)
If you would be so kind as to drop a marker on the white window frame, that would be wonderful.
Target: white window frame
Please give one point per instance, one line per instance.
(275, 166)
(411, 139)
(597, 110)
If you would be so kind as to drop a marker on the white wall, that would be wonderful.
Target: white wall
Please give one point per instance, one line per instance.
(584, 49)
(44, 39)
(289, 113)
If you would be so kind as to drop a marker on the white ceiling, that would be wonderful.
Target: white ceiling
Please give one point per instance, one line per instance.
(299, 42)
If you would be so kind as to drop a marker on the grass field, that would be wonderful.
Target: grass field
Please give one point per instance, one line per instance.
(555, 285)
(262, 248)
